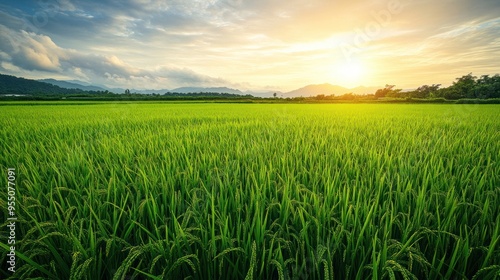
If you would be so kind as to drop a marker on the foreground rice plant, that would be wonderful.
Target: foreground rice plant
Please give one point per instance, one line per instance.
(271, 191)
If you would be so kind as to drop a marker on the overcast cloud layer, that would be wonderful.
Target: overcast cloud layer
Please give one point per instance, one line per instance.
(271, 44)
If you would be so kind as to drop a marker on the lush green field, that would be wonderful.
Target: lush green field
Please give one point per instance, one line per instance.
(248, 191)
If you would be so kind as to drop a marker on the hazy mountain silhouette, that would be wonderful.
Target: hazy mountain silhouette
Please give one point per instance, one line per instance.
(73, 84)
(327, 89)
(11, 84)
(15, 85)
(207, 89)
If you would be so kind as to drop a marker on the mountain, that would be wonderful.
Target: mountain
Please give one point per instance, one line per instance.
(72, 85)
(264, 93)
(21, 86)
(89, 87)
(327, 89)
(209, 89)
(14, 85)
(75, 84)
(148, 91)
(313, 90)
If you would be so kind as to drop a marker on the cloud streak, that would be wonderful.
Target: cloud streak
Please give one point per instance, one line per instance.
(165, 44)
(38, 53)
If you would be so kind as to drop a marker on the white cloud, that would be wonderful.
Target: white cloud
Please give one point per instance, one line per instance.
(33, 52)
(155, 43)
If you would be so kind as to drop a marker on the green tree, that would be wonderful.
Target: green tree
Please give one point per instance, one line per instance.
(425, 91)
(487, 87)
(320, 97)
(387, 91)
(462, 88)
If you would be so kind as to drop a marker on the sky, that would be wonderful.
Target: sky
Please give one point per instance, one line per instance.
(250, 45)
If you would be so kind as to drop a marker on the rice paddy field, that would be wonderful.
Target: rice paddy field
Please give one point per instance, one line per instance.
(252, 191)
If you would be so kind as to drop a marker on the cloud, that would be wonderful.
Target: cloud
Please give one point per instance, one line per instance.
(30, 51)
(153, 43)
(33, 52)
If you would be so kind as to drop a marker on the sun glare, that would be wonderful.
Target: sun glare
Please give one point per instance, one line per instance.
(350, 73)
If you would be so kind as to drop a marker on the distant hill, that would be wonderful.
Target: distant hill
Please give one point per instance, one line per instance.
(209, 89)
(183, 90)
(72, 85)
(148, 91)
(80, 85)
(75, 84)
(15, 85)
(313, 90)
(21, 86)
(327, 89)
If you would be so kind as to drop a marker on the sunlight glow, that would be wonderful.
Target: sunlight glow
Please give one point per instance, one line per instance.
(350, 73)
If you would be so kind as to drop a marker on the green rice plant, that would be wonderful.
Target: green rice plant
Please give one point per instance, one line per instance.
(253, 191)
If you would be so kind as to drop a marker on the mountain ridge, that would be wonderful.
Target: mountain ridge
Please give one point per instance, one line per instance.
(328, 89)
(75, 84)
(72, 85)
(207, 89)
(21, 86)
(61, 86)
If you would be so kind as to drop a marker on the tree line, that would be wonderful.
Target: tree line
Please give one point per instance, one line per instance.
(468, 87)
(465, 88)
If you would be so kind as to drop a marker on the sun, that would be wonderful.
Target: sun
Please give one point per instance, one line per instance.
(350, 73)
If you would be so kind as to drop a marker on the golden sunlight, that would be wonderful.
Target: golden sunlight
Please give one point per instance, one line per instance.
(351, 73)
